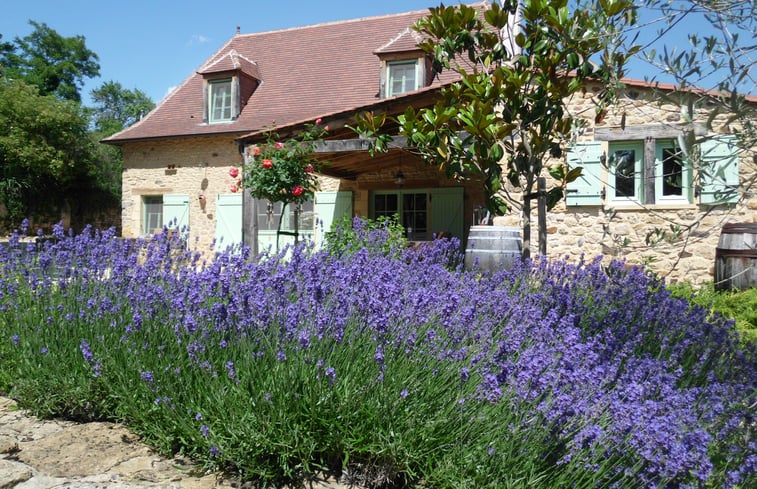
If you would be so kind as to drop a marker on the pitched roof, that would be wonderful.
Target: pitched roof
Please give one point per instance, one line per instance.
(305, 72)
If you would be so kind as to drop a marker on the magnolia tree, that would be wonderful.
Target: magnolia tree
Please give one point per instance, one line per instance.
(282, 171)
(507, 118)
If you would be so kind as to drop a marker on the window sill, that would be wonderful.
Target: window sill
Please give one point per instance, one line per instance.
(665, 206)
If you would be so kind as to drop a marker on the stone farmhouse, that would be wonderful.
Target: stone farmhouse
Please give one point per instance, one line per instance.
(177, 158)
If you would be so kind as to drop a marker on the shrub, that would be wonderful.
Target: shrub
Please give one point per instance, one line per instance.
(389, 371)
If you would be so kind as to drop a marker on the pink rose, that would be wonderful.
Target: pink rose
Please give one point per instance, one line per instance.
(233, 172)
(318, 121)
(256, 150)
(279, 145)
(233, 188)
(326, 127)
(297, 190)
(267, 164)
(309, 168)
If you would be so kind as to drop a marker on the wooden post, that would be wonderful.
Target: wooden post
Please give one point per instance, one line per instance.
(249, 217)
(542, 209)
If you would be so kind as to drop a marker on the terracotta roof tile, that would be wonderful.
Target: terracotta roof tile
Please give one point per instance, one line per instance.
(231, 61)
(304, 72)
(407, 40)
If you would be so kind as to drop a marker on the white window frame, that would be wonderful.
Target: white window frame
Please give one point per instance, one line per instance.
(220, 89)
(686, 174)
(638, 148)
(149, 204)
(393, 68)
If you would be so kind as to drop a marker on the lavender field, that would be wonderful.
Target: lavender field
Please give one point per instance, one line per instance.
(391, 365)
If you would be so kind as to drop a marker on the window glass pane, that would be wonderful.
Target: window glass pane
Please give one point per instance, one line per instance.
(625, 173)
(402, 78)
(672, 172)
(152, 215)
(220, 100)
(385, 205)
(270, 221)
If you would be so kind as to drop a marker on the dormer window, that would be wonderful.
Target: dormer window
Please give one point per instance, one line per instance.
(229, 82)
(404, 67)
(402, 76)
(221, 100)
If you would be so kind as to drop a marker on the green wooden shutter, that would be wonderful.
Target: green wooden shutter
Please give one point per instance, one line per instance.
(176, 212)
(447, 211)
(330, 207)
(586, 189)
(720, 171)
(228, 221)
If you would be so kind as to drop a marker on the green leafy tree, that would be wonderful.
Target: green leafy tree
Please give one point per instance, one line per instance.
(713, 70)
(56, 65)
(44, 145)
(114, 108)
(507, 116)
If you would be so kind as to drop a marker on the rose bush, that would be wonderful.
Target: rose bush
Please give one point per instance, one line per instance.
(284, 171)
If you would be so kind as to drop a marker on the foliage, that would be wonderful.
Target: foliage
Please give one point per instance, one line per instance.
(42, 140)
(116, 108)
(388, 371)
(507, 115)
(285, 171)
(739, 305)
(56, 65)
(349, 235)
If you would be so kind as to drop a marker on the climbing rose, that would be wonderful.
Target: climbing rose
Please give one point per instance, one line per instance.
(309, 168)
(267, 164)
(233, 188)
(318, 121)
(233, 172)
(297, 190)
(279, 145)
(256, 150)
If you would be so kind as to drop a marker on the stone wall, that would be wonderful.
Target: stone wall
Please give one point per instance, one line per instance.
(630, 233)
(196, 166)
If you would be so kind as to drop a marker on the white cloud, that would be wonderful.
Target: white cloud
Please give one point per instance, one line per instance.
(198, 39)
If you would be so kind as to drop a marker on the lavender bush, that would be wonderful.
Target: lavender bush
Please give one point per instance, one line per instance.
(389, 368)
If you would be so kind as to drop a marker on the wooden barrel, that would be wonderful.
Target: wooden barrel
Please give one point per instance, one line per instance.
(492, 247)
(736, 257)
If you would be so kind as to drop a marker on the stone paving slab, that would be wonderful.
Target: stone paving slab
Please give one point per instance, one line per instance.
(55, 454)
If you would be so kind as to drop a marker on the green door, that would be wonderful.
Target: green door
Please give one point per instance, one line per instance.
(330, 207)
(176, 212)
(228, 221)
(447, 211)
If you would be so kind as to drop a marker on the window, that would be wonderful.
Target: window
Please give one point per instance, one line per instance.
(269, 221)
(220, 98)
(152, 213)
(625, 170)
(411, 206)
(402, 77)
(654, 171)
(672, 174)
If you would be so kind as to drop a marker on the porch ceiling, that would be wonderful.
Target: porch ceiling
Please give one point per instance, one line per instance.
(349, 158)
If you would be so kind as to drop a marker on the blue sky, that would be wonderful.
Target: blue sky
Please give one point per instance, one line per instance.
(153, 45)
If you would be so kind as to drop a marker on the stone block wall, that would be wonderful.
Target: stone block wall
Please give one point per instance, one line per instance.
(196, 166)
(631, 233)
